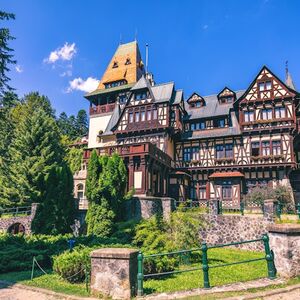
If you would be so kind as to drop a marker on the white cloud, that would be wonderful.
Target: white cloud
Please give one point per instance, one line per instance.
(67, 73)
(66, 52)
(88, 85)
(19, 69)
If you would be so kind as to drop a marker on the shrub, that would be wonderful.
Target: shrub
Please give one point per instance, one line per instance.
(72, 266)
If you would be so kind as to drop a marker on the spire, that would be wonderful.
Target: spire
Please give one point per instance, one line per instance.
(125, 65)
(288, 78)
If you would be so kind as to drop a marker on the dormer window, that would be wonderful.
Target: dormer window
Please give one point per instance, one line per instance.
(196, 101)
(115, 64)
(141, 96)
(226, 96)
(128, 61)
(109, 85)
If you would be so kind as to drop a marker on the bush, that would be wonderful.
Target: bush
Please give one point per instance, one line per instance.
(17, 251)
(281, 193)
(72, 266)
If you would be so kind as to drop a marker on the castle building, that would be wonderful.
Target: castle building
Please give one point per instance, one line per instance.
(204, 147)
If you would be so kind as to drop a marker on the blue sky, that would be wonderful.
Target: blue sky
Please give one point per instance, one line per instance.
(201, 45)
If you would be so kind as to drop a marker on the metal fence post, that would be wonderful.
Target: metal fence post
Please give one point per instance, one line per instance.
(242, 207)
(220, 207)
(298, 209)
(205, 266)
(269, 258)
(140, 275)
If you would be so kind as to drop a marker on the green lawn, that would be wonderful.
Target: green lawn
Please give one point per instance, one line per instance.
(218, 276)
(183, 281)
(51, 282)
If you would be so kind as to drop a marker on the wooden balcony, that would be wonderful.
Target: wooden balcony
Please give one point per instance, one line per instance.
(144, 149)
(102, 109)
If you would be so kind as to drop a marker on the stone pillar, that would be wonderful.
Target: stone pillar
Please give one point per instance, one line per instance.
(213, 206)
(33, 210)
(114, 272)
(270, 206)
(285, 242)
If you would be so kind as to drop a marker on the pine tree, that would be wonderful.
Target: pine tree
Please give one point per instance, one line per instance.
(37, 172)
(82, 123)
(6, 56)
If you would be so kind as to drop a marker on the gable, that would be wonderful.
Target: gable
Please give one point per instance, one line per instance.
(266, 86)
(194, 99)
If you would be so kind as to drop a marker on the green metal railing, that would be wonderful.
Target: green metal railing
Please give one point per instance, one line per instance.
(15, 211)
(269, 257)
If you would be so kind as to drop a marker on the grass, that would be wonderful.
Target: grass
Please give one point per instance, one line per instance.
(50, 281)
(218, 276)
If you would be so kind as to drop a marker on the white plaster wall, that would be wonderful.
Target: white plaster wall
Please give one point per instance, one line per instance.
(97, 123)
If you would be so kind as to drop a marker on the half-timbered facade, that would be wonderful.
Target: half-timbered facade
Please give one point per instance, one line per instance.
(216, 146)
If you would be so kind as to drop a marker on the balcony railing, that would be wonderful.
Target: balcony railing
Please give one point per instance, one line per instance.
(102, 109)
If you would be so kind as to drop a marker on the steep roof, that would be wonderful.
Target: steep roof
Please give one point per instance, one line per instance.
(163, 92)
(113, 120)
(126, 64)
(212, 107)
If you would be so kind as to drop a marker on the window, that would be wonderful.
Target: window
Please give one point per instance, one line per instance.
(187, 154)
(143, 116)
(197, 126)
(130, 117)
(255, 149)
(137, 116)
(148, 114)
(202, 125)
(202, 192)
(280, 112)
(225, 100)
(226, 190)
(219, 123)
(154, 113)
(197, 104)
(80, 191)
(122, 98)
(115, 64)
(128, 62)
(219, 151)
(265, 147)
(265, 86)
(228, 150)
(141, 96)
(193, 192)
(249, 116)
(266, 114)
(115, 83)
(195, 153)
(276, 147)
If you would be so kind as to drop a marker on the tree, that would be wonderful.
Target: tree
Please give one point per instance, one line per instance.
(6, 56)
(105, 191)
(38, 172)
(7, 126)
(82, 123)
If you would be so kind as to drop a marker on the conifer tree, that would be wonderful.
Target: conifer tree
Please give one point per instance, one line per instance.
(37, 172)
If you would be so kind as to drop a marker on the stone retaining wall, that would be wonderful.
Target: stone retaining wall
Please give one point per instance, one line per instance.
(222, 229)
(6, 223)
(144, 207)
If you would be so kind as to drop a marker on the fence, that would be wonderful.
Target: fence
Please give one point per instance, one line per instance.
(269, 257)
(16, 211)
(243, 208)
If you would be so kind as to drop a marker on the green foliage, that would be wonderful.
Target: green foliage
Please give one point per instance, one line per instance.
(105, 190)
(100, 219)
(6, 53)
(281, 193)
(74, 158)
(72, 266)
(73, 127)
(37, 171)
(17, 251)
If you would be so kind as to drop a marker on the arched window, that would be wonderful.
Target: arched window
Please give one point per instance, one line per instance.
(80, 191)
(16, 228)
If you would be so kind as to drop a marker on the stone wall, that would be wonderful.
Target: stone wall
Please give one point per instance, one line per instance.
(144, 207)
(222, 229)
(285, 242)
(6, 223)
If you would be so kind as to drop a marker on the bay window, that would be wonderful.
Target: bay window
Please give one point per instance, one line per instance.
(266, 114)
(280, 112)
(276, 147)
(265, 147)
(249, 116)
